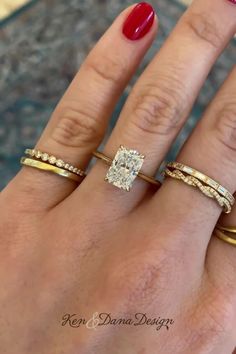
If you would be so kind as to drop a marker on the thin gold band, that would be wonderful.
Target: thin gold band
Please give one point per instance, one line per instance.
(50, 168)
(231, 229)
(141, 175)
(221, 235)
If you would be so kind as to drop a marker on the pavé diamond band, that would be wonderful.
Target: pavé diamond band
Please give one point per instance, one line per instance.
(124, 168)
(202, 177)
(205, 184)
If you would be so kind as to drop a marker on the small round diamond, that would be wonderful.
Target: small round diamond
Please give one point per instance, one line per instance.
(75, 169)
(60, 163)
(38, 154)
(67, 166)
(45, 157)
(33, 152)
(71, 168)
(52, 159)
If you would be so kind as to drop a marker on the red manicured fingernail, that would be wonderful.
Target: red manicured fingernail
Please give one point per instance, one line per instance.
(139, 21)
(233, 1)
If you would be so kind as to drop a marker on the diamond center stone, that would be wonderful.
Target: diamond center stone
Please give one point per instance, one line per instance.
(124, 168)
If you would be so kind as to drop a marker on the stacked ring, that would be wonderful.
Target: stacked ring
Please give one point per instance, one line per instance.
(46, 162)
(205, 184)
(226, 234)
(50, 168)
(52, 160)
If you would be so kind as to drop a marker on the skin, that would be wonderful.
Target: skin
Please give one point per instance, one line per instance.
(69, 249)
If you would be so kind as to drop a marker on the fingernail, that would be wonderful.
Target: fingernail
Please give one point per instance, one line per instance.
(233, 1)
(139, 21)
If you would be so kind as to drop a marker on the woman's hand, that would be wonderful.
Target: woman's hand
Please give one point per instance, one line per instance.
(68, 252)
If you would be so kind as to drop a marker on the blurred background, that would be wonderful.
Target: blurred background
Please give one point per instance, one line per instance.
(42, 44)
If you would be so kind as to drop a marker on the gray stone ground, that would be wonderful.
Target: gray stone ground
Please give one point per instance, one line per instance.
(42, 48)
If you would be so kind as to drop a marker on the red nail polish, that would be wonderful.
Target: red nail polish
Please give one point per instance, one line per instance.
(233, 1)
(139, 21)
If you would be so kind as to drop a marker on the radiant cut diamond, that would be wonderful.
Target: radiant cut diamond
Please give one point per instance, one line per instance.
(124, 168)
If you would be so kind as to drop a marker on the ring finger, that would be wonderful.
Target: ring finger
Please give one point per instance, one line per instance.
(211, 149)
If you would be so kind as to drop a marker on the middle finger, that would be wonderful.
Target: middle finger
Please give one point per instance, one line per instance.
(163, 96)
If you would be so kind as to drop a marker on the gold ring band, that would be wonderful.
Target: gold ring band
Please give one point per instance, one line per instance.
(52, 160)
(205, 184)
(103, 157)
(230, 229)
(206, 190)
(109, 162)
(51, 168)
(222, 236)
(204, 178)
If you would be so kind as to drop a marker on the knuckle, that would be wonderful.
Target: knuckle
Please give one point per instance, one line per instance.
(213, 318)
(76, 126)
(158, 110)
(106, 68)
(219, 319)
(225, 128)
(202, 26)
(141, 278)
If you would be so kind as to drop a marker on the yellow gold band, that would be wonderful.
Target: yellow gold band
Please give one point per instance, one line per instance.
(141, 175)
(204, 178)
(52, 160)
(50, 168)
(222, 235)
(231, 229)
(206, 190)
